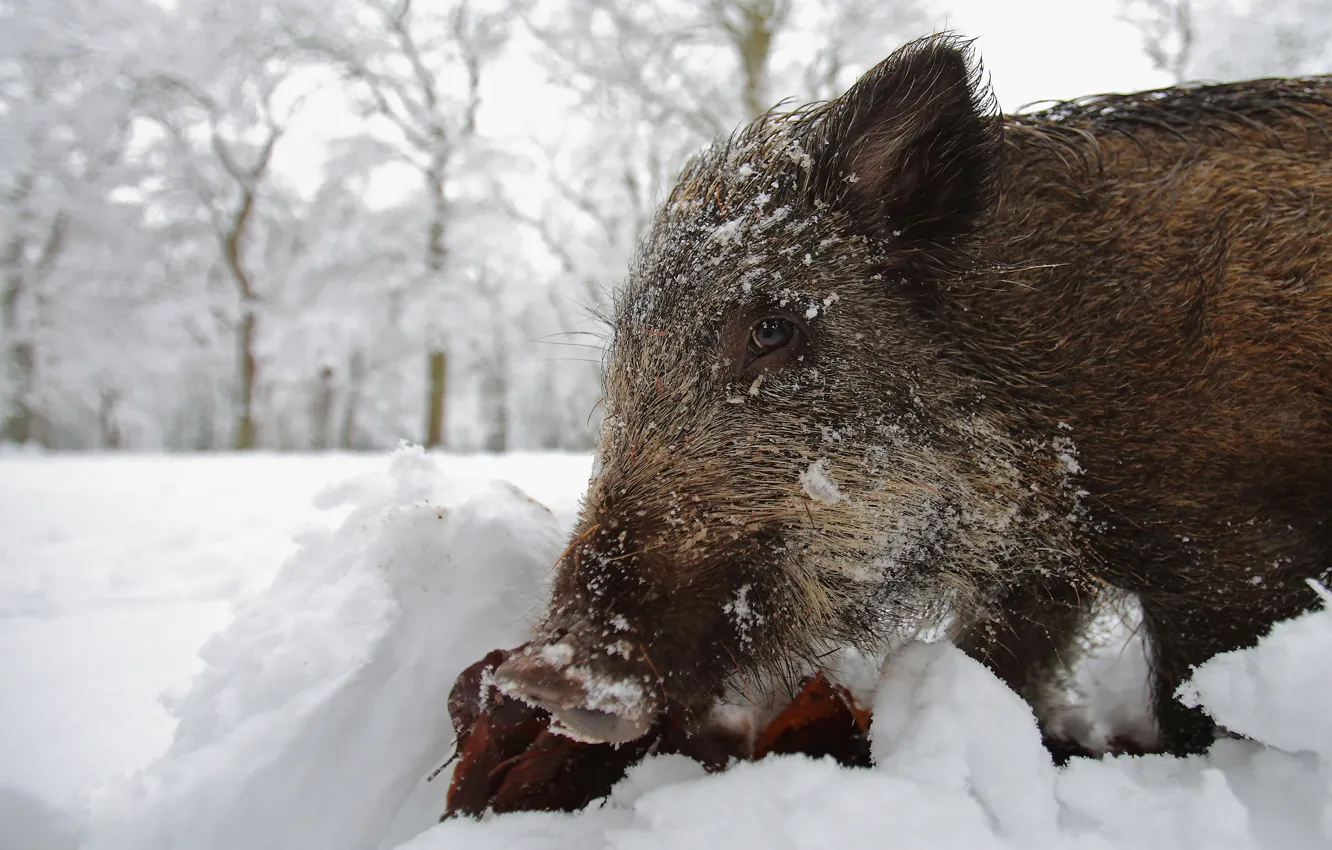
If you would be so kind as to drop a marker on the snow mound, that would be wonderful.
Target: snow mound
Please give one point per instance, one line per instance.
(959, 763)
(323, 706)
(1279, 692)
(322, 709)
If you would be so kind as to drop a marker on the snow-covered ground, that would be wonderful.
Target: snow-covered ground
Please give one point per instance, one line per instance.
(339, 616)
(115, 569)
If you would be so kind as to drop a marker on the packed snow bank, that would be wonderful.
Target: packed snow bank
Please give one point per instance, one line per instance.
(323, 707)
(1280, 691)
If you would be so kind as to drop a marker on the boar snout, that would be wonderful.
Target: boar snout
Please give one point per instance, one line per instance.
(587, 702)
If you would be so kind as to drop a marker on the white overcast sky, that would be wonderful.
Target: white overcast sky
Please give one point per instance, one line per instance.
(1044, 49)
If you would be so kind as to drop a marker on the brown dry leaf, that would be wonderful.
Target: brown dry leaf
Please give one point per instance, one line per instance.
(558, 774)
(509, 759)
(822, 720)
(493, 730)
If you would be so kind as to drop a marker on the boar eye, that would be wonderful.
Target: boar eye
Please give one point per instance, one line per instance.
(769, 335)
(761, 343)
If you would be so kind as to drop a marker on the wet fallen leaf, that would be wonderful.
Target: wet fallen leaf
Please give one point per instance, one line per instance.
(822, 720)
(510, 761)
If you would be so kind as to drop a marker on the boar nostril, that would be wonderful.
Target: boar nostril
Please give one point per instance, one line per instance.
(602, 727)
(529, 679)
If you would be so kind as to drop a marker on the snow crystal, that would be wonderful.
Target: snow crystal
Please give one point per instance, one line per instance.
(1066, 452)
(557, 655)
(727, 232)
(818, 485)
(743, 613)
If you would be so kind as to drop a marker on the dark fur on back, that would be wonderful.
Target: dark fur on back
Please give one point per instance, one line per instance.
(1185, 111)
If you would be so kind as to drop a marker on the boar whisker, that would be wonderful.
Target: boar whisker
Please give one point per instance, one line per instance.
(744, 681)
(573, 333)
(544, 341)
(661, 685)
(630, 554)
(576, 541)
(594, 410)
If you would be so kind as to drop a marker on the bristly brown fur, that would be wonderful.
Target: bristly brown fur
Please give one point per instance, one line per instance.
(1040, 354)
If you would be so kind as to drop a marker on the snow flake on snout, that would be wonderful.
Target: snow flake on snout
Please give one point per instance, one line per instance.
(621, 648)
(743, 613)
(817, 306)
(557, 655)
(817, 484)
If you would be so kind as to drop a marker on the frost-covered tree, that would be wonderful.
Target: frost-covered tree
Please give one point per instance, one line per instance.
(658, 79)
(223, 92)
(65, 102)
(416, 71)
(168, 282)
(343, 267)
(1235, 39)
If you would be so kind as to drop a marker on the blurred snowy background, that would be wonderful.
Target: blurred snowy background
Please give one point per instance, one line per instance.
(330, 225)
(334, 224)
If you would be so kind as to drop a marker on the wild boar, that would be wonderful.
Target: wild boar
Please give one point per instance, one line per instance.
(897, 360)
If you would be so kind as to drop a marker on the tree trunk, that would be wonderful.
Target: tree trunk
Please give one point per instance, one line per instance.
(750, 24)
(500, 435)
(21, 423)
(438, 370)
(244, 438)
(355, 375)
(436, 258)
(754, 49)
(322, 411)
(495, 394)
(112, 437)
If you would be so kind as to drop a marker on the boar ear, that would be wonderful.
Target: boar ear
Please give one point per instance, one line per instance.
(910, 150)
